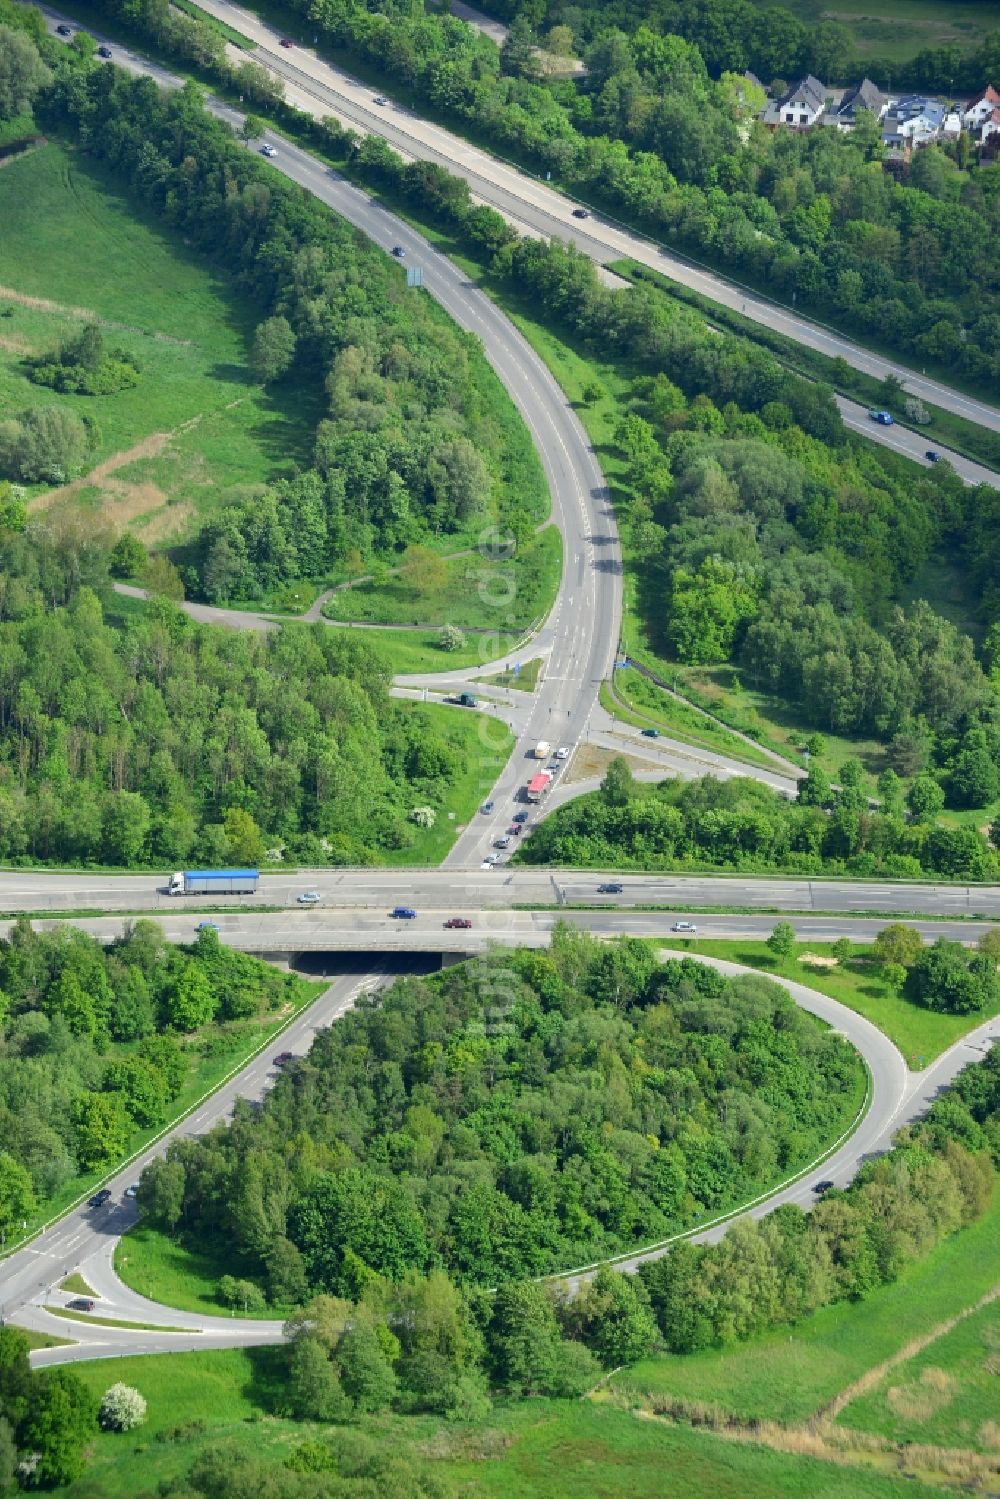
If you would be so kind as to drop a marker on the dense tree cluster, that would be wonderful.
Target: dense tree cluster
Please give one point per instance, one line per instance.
(42, 442)
(418, 440)
(93, 1048)
(774, 42)
(772, 1271)
(509, 1117)
(85, 367)
(647, 131)
(947, 977)
(970, 1110)
(764, 536)
(743, 824)
(168, 742)
(47, 1420)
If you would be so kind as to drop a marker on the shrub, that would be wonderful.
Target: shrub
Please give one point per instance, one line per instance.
(122, 1408)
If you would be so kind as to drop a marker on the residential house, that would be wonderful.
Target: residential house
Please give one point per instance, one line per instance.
(800, 106)
(863, 96)
(989, 126)
(912, 121)
(979, 109)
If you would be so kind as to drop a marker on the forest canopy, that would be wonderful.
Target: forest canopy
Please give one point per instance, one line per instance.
(96, 1044)
(513, 1116)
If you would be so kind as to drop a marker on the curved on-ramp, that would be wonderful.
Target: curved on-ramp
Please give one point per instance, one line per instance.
(890, 1083)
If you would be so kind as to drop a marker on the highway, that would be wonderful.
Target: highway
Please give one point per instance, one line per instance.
(581, 632)
(579, 638)
(319, 88)
(296, 933)
(543, 210)
(456, 892)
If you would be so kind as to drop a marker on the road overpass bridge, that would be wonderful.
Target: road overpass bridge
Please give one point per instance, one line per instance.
(295, 936)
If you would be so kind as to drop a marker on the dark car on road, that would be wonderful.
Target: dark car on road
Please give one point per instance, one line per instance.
(822, 1187)
(283, 1058)
(99, 1198)
(461, 922)
(403, 913)
(932, 456)
(610, 889)
(286, 42)
(399, 251)
(104, 51)
(521, 817)
(580, 213)
(64, 30)
(80, 1304)
(650, 733)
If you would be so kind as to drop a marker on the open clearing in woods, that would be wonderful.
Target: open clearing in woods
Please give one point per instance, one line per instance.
(198, 430)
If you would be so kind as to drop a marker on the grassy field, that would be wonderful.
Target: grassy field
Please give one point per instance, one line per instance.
(162, 1270)
(720, 689)
(788, 1375)
(482, 744)
(898, 29)
(197, 431)
(472, 592)
(636, 700)
(416, 651)
(559, 1450)
(920, 1034)
(946, 1395)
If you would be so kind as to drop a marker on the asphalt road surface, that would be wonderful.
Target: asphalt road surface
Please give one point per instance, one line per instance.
(545, 211)
(84, 1239)
(321, 89)
(582, 629)
(457, 892)
(296, 934)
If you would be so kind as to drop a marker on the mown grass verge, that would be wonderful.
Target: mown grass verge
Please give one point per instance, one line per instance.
(72, 1316)
(637, 701)
(474, 592)
(921, 1034)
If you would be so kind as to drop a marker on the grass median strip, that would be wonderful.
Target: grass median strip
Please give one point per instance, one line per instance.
(71, 1316)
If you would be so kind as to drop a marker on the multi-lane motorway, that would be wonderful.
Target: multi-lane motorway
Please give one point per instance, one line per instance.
(456, 892)
(542, 210)
(579, 639)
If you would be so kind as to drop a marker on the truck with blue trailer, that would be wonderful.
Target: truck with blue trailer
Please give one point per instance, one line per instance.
(214, 882)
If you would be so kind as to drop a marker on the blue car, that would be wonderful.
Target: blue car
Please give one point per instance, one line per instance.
(403, 913)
